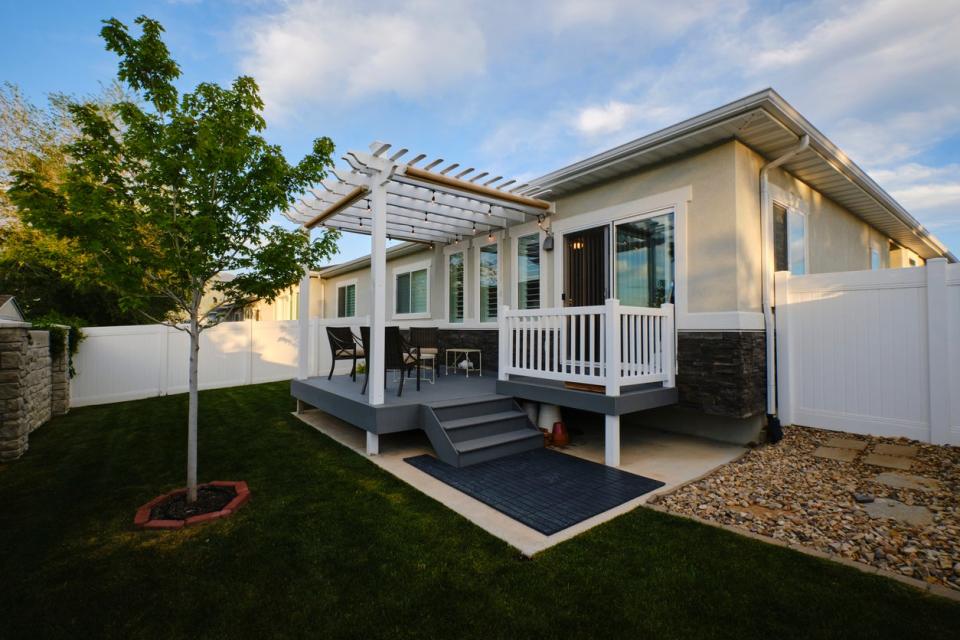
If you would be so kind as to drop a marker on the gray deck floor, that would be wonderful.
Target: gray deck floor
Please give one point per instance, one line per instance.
(450, 387)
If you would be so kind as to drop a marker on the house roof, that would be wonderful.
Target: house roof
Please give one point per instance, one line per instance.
(398, 251)
(10, 311)
(768, 124)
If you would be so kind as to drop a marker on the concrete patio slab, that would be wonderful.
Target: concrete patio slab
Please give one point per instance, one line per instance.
(891, 462)
(835, 453)
(907, 481)
(846, 443)
(901, 450)
(671, 458)
(888, 508)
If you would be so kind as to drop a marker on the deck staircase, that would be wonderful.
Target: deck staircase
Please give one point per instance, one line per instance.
(468, 431)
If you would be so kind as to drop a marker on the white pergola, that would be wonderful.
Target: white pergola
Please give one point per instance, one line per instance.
(418, 200)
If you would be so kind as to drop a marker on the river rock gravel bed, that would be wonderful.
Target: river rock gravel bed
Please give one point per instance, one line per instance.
(784, 492)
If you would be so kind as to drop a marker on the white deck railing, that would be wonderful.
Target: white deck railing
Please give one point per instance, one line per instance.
(608, 345)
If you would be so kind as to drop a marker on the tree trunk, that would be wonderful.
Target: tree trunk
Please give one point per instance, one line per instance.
(192, 411)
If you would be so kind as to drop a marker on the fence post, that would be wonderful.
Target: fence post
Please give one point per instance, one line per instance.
(937, 355)
(784, 351)
(249, 351)
(503, 349)
(611, 340)
(668, 341)
(164, 365)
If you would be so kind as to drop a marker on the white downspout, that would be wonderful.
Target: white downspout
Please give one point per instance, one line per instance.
(767, 267)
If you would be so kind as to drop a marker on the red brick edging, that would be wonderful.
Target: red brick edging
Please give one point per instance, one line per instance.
(143, 521)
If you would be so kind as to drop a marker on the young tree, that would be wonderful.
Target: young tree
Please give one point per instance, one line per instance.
(174, 189)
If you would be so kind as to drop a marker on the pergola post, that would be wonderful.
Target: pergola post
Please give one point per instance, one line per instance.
(303, 320)
(378, 292)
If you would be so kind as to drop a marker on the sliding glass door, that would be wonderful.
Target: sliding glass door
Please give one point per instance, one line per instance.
(644, 258)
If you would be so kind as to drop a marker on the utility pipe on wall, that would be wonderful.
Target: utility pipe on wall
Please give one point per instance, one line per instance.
(767, 267)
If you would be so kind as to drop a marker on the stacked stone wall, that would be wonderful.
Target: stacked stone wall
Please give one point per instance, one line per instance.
(32, 388)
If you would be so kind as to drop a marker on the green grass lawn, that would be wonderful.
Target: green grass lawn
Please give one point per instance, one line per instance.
(331, 545)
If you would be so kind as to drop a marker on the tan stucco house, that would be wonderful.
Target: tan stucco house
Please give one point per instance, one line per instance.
(700, 215)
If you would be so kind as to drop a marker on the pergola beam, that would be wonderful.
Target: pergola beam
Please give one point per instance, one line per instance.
(475, 189)
(348, 199)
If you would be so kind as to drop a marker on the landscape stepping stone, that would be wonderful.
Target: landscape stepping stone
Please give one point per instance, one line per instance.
(902, 450)
(907, 481)
(835, 453)
(891, 462)
(915, 515)
(846, 443)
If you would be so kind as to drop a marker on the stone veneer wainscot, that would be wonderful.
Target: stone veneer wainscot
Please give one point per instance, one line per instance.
(722, 373)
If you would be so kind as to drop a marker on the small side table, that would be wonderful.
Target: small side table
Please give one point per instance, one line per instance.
(461, 355)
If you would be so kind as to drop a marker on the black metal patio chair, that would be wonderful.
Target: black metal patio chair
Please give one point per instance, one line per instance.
(397, 356)
(344, 346)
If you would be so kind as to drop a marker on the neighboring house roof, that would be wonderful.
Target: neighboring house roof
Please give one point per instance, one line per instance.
(10, 311)
(398, 251)
(768, 124)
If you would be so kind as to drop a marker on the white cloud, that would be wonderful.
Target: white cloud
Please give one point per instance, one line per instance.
(639, 17)
(933, 193)
(608, 118)
(314, 52)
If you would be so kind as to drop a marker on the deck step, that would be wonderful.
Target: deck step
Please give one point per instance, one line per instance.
(482, 419)
(466, 432)
(474, 407)
(498, 447)
(500, 438)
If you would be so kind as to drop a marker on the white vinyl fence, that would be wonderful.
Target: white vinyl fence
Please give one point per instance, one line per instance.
(141, 361)
(872, 352)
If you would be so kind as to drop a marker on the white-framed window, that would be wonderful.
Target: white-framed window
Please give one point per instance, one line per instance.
(411, 291)
(876, 259)
(456, 267)
(644, 259)
(347, 299)
(789, 240)
(487, 281)
(528, 271)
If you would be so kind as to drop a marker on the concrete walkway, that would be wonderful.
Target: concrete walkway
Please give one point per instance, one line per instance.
(671, 458)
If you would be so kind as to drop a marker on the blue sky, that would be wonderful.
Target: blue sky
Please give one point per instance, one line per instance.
(521, 88)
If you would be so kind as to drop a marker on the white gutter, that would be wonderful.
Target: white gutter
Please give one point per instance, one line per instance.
(767, 267)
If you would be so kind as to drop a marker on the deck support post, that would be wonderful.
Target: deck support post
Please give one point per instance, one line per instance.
(373, 444)
(611, 441)
(303, 320)
(378, 292)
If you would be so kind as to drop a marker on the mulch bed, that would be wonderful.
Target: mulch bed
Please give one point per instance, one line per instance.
(215, 500)
(209, 499)
(784, 492)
